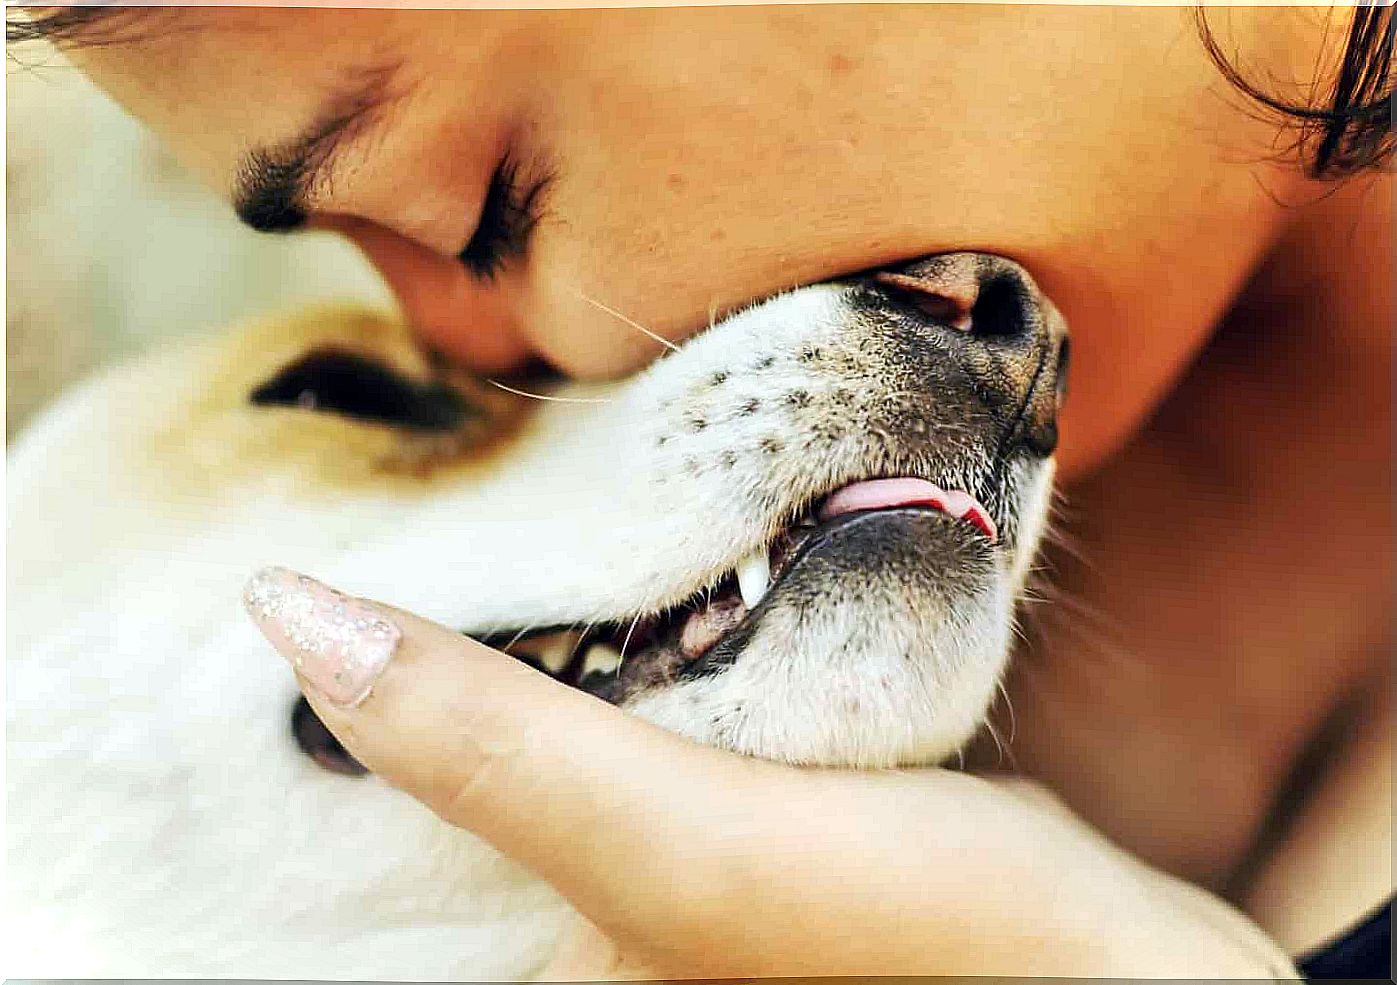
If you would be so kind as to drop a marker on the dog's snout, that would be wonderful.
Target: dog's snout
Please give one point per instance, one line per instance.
(988, 316)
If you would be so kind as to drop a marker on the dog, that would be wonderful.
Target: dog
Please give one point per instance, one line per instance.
(800, 535)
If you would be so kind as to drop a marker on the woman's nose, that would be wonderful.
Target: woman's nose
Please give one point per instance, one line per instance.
(465, 318)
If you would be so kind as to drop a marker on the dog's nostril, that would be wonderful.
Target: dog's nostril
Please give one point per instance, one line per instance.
(1000, 311)
(934, 301)
(995, 309)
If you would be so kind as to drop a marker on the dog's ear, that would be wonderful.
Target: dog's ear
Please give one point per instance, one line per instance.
(338, 381)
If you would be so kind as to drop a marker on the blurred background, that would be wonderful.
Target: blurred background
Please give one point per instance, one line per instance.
(111, 248)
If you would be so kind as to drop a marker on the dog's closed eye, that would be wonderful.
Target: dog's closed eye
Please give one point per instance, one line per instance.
(342, 382)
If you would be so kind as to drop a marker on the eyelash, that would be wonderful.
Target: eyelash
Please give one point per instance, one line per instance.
(507, 217)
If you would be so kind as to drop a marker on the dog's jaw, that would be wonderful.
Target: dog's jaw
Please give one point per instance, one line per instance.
(900, 675)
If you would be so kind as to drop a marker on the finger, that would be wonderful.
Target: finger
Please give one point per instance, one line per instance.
(693, 861)
(561, 781)
(1034, 794)
(587, 955)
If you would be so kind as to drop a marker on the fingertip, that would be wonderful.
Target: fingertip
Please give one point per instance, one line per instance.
(340, 645)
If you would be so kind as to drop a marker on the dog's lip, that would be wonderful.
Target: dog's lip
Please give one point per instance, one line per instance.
(821, 536)
(892, 493)
(696, 628)
(823, 541)
(868, 500)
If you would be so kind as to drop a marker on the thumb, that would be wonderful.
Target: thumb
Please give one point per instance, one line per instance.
(559, 780)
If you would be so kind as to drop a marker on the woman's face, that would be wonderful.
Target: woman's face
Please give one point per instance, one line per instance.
(514, 174)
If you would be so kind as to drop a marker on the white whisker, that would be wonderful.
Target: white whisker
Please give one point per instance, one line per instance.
(998, 746)
(627, 641)
(633, 324)
(1009, 705)
(572, 651)
(542, 396)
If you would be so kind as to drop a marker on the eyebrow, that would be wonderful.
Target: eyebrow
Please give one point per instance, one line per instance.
(273, 184)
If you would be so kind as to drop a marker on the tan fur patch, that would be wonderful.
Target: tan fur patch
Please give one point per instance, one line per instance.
(214, 438)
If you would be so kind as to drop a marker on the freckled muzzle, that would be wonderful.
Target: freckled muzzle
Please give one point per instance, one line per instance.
(976, 336)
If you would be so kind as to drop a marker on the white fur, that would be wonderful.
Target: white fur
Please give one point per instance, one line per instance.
(161, 821)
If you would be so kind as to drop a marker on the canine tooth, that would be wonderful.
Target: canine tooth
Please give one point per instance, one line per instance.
(553, 650)
(753, 577)
(601, 658)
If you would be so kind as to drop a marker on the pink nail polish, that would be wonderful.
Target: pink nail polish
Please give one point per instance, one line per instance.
(337, 643)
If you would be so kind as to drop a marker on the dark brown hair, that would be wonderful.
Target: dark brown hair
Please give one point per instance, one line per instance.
(1347, 131)
(69, 26)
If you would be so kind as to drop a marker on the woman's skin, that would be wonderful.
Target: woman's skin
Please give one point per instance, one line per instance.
(1224, 610)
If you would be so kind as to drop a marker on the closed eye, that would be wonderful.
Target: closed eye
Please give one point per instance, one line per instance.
(507, 217)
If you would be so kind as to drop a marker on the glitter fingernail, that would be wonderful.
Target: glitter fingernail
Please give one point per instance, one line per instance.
(337, 643)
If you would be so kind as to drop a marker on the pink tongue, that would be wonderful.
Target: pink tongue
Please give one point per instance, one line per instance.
(885, 494)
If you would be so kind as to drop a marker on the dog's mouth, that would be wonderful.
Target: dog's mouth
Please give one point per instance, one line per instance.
(662, 646)
(685, 634)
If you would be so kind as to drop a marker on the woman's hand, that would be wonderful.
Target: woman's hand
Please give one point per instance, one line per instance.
(686, 861)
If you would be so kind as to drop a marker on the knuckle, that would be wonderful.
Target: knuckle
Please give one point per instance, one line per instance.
(475, 778)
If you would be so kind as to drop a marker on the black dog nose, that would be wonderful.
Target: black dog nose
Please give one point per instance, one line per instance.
(990, 318)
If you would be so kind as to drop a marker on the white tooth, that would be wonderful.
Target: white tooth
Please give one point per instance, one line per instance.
(753, 577)
(554, 651)
(601, 658)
